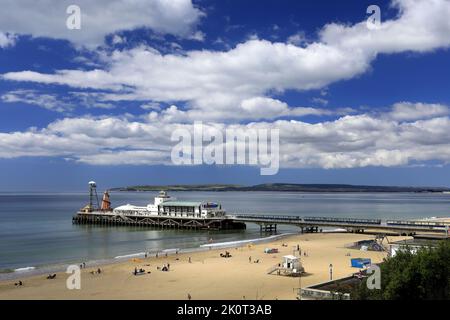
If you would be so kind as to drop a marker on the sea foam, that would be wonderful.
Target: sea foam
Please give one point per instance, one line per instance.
(24, 269)
(133, 255)
(243, 242)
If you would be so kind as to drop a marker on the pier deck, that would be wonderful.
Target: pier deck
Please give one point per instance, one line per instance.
(313, 224)
(266, 223)
(165, 222)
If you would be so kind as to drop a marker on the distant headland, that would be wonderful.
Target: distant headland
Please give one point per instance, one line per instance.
(282, 187)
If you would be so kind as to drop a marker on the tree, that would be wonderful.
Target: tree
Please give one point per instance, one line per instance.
(423, 275)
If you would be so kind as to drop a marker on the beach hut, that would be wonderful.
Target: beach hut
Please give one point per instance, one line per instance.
(291, 262)
(360, 262)
(290, 266)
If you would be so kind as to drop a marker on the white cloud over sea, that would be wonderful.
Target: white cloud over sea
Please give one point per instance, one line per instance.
(240, 87)
(349, 141)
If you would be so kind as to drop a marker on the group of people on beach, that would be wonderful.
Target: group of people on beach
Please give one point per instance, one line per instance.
(140, 271)
(250, 260)
(226, 254)
(299, 250)
(20, 283)
(165, 267)
(99, 271)
(157, 254)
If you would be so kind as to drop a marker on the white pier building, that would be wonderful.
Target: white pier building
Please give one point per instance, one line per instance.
(166, 206)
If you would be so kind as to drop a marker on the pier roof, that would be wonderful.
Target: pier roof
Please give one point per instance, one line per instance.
(181, 203)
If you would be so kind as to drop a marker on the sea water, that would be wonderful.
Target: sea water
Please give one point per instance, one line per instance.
(36, 230)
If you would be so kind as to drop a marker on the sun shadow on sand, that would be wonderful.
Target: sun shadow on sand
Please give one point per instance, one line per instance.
(306, 274)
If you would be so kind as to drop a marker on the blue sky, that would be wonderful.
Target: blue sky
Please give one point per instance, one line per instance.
(353, 105)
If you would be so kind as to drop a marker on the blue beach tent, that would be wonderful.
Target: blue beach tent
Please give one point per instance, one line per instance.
(360, 262)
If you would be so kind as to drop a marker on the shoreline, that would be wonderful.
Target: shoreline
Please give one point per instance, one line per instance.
(44, 269)
(205, 274)
(8, 274)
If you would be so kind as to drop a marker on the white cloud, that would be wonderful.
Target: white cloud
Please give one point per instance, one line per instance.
(118, 39)
(350, 141)
(151, 106)
(198, 36)
(406, 111)
(209, 80)
(268, 108)
(47, 18)
(422, 26)
(320, 101)
(6, 40)
(133, 157)
(220, 82)
(56, 102)
(256, 108)
(46, 101)
(297, 39)
(221, 86)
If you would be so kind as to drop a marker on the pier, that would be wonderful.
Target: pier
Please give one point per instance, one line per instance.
(166, 212)
(266, 223)
(161, 222)
(357, 225)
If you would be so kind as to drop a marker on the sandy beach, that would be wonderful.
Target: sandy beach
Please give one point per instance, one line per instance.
(207, 275)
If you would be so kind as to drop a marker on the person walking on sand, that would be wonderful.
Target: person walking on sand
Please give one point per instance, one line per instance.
(190, 261)
(250, 259)
(189, 296)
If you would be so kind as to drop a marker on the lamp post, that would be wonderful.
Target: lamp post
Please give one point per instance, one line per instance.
(331, 271)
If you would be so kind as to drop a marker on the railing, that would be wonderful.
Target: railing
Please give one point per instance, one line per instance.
(265, 217)
(298, 219)
(344, 222)
(272, 269)
(417, 223)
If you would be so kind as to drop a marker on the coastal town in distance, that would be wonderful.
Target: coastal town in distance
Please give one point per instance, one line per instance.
(225, 158)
